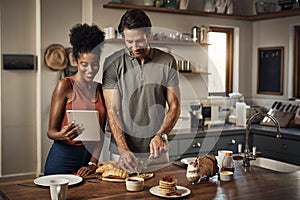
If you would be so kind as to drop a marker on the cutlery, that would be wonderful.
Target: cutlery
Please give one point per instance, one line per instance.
(279, 104)
(292, 108)
(288, 108)
(282, 107)
(146, 163)
(270, 112)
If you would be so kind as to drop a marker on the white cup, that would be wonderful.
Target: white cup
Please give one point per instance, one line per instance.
(183, 4)
(109, 32)
(59, 189)
(134, 184)
(221, 155)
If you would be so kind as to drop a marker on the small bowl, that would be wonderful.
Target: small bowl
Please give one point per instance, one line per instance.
(226, 175)
(134, 184)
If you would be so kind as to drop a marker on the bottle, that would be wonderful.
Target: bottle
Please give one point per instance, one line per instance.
(240, 114)
(227, 163)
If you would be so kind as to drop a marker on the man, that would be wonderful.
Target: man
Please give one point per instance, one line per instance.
(138, 81)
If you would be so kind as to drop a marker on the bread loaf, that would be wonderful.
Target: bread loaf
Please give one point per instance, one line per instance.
(208, 165)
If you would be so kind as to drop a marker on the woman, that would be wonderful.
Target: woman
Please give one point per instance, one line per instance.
(78, 92)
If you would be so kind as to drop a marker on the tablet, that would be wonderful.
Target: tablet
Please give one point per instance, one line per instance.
(90, 122)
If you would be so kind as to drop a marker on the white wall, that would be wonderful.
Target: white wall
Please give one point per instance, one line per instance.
(271, 33)
(18, 87)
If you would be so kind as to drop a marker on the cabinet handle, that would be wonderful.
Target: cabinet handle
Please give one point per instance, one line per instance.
(197, 145)
(284, 146)
(231, 142)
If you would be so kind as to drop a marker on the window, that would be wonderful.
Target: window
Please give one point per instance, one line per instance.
(220, 64)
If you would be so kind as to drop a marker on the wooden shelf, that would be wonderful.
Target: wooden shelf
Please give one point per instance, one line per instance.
(280, 14)
(159, 42)
(194, 73)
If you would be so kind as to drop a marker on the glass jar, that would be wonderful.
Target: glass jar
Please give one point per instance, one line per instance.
(227, 163)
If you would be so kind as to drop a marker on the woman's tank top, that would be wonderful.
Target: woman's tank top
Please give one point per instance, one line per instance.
(81, 102)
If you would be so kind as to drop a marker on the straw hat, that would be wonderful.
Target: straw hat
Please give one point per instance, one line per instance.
(56, 57)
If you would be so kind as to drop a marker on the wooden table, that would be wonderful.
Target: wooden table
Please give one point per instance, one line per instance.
(249, 183)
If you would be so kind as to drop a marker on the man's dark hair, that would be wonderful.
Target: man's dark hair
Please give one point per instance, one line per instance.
(85, 38)
(134, 19)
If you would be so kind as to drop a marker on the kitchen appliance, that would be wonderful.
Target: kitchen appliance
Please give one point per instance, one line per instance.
(196, 115)
(215, 110)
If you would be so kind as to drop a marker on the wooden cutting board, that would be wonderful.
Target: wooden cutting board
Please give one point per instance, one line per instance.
(146, 176)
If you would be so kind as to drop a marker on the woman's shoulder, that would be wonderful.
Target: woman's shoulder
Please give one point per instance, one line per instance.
(65, 83)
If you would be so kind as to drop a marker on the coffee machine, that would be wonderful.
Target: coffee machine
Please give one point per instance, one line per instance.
(215, 110)
(196, 115)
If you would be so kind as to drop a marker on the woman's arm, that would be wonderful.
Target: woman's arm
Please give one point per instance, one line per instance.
(61, 94)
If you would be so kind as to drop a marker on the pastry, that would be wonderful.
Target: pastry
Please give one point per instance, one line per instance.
(115, 173)
(105, 166)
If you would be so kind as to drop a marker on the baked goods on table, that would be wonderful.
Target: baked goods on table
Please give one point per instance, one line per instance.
(167, 186)
(208, 165)
(109, 171)
(115, 173)
(193, 172)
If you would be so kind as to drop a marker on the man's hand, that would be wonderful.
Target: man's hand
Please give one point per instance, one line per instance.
(157, 146)
(128, 161)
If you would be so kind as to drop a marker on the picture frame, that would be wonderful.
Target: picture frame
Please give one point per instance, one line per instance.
(270, 61)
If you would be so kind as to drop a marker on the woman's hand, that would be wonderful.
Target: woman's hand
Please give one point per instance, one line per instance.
(70, 131)
(86, 170)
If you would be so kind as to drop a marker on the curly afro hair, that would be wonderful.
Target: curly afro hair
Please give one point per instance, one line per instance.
(85, 38)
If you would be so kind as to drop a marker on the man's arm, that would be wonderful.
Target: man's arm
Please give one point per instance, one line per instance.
(112, 101)
(173, 100)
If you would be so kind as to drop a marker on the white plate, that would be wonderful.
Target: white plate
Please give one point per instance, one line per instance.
(180, 189)
(44, 180)
(188, 160)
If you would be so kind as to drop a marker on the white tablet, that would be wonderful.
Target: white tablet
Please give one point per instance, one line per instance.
(90, 122)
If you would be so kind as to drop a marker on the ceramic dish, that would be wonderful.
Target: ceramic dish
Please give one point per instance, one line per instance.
(182, 192)
(186, 161)
(44, 180)
(226, 175)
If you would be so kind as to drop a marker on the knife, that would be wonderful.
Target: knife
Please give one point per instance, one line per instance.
(288, 108)
(146, 163)
(270, 112)
(278, 105)
(282, 107)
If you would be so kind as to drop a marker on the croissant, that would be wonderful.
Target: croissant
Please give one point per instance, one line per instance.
(105, 166)
(115, 173)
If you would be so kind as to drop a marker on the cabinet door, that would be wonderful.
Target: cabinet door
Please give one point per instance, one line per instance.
(229, 142)
(196, 146)
(278, 148)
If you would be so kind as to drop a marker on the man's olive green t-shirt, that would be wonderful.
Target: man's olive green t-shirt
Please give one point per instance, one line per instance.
(142, 90)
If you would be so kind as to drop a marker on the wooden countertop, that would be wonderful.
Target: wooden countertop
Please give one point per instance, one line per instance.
(249, 183)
